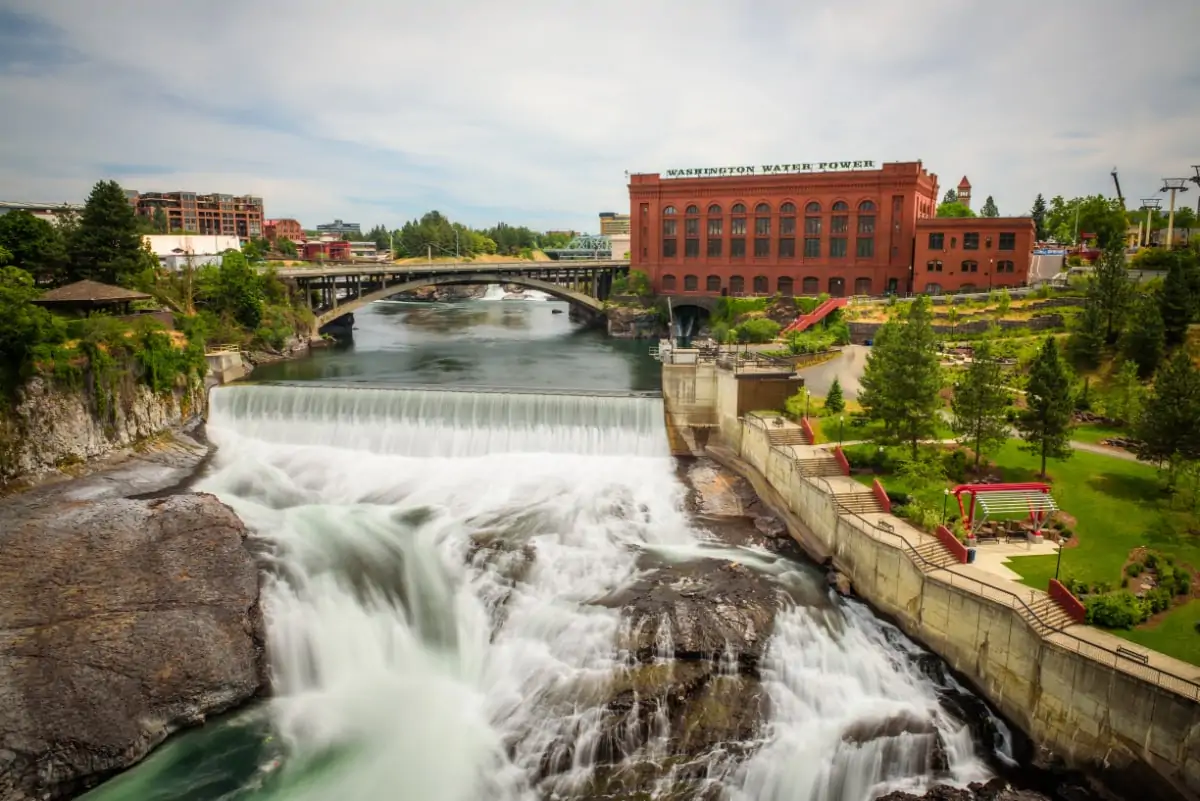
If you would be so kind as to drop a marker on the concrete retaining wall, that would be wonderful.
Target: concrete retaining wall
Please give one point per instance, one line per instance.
(1086, 711)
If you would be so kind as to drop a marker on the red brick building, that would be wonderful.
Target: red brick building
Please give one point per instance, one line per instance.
(338, 250)
(954, 253)
(800, 229)
(284, 229)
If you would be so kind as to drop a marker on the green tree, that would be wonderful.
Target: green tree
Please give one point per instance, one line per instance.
(286, 247)
(234, 289)
(1086, 343)
(1111, 288)
(834, 402)
(902, 378)
(35, 245)
(23, 325)
(980, 402)
(1176, 304)
(1098, 215)
(1045, 423)
(952, 318)
(1144, 340)
(5, 256)
(1003, 303)
(989, 208)
(160, 221)
(107, 246)
(951, 196)
(1127, 396)
(1038, 213)
(954, 209)
(1169, 427)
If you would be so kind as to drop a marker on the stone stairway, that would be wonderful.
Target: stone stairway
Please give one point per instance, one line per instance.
(858, 503)
(934, 556)
(1050, 617)
(818, 466)
(792, 435)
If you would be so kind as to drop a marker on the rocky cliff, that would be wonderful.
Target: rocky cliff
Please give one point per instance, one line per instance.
(50, 427)
(634, 322)
(120, 622)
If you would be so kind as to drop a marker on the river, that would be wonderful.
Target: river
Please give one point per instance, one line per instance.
(441, 566)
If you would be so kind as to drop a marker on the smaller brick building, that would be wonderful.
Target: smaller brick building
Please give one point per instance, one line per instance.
(284, 229)
(954, 253)
(337, 250)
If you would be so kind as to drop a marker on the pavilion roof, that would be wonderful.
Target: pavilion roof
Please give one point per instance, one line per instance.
(90, 292)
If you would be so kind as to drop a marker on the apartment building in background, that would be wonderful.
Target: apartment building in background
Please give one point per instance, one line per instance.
(613, 223)
(339, 228)
(210, 215)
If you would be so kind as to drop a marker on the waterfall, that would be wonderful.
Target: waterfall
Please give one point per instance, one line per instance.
(434, 559)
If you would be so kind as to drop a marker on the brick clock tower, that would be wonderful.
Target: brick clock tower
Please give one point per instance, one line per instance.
(964, 192)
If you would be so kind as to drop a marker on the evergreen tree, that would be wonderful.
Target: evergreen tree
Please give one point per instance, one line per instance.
(1176, 303)
(1045, 423)
(237, 290)
(34, 245)
(833, 400)
(1086, 343)
(1169, 427)
(1111, 288)
(106, 246)
(902, 378)
(989, 208)
(980, 402)
(1127, 397)
(160, 221)
(951, 196)
(1039, 216)
(1144, 341)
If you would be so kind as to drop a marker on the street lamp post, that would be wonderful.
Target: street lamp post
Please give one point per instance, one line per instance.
(807, 394)
(945, 499)
(1058, 564)
(841, 420)
(1151, 205)
(1172, 185)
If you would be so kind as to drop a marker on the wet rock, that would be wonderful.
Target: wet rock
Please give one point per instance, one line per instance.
(771, 526)
(840, 583)
(994, 790)
(634, 322)
(120, 622)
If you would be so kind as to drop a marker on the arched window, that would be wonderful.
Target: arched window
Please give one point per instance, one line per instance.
(690, 283)
(841, 205)
(1005, 266)
(712, 283)
(970, 266)
(714, 209)
(738, 208)
(933, 266)
(866, 205)
(813, 207)
(669, 211)
(693, 210)
(668, 283)
(862, 286)
(967, 287)
(762, 208)
(737, 285)
(837, 287)
(761, 286)
(784, 286)
(788, 208)
(933, 289)
(811, 285)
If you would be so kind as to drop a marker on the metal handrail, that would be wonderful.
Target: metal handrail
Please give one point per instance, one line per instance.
(1160, 678)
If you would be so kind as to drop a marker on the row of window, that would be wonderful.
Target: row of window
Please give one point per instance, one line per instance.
(838, 224)
(812, 207)
(864, 248)
(784, 285)
(937, 241)
(971, 266)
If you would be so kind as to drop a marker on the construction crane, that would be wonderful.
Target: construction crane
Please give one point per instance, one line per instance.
(1117, 181)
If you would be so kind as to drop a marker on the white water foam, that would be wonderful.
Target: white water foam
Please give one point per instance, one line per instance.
(419, 652)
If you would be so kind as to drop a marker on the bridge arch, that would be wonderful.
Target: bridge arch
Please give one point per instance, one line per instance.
(350, 305)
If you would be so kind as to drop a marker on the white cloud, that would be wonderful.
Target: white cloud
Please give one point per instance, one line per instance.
(531, 110)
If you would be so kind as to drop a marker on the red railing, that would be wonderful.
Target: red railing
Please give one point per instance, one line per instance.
(804, 321)
(881, 495)
(1069, 603)
(808, 431)
(952, 544)
(841, 460)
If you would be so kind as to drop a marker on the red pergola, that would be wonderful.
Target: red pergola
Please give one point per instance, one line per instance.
(1029, 499)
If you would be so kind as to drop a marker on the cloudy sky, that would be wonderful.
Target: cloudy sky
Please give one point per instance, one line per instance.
(531, 111)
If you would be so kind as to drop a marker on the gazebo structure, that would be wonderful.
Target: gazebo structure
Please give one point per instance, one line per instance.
(85, 297)
(1029, 500)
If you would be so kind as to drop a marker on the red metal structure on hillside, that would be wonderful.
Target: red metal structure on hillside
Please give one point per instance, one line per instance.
(804, 322)
(1031, 499)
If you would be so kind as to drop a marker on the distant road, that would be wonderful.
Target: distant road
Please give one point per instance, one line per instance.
(847, 368)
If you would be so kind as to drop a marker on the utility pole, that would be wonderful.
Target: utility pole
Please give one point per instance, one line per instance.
(391, 245)
(1172, 185)
(1196, 180)
(429, 253)
(1150, 204)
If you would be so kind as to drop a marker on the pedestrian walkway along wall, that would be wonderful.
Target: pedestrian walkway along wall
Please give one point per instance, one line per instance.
(1078, 699)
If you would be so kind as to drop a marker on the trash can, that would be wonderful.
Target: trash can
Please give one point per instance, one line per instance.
(970, 555)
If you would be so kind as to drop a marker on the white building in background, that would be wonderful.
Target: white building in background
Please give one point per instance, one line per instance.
(620, 246)
(174, 251)
(50, 212)
(364, 250)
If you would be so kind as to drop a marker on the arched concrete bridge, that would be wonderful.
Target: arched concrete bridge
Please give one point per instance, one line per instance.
(337, 291)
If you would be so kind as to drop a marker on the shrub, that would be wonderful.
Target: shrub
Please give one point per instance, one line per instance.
(1118, 610)
(955, 464)
(760, 329)
(1134, 570)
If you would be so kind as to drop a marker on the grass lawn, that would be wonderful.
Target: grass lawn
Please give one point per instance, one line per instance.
(1092, 433)
(825, 429)
(1174, 633)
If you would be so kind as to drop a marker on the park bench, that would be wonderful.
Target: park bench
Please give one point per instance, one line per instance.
(1136, 656)
(886, 526)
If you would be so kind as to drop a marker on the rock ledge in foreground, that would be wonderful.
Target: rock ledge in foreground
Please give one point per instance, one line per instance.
(121, 621)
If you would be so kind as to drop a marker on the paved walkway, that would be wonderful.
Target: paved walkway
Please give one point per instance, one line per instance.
(1087, 447)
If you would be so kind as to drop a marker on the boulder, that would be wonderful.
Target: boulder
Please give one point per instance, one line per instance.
(121, 621)
(634, 322)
